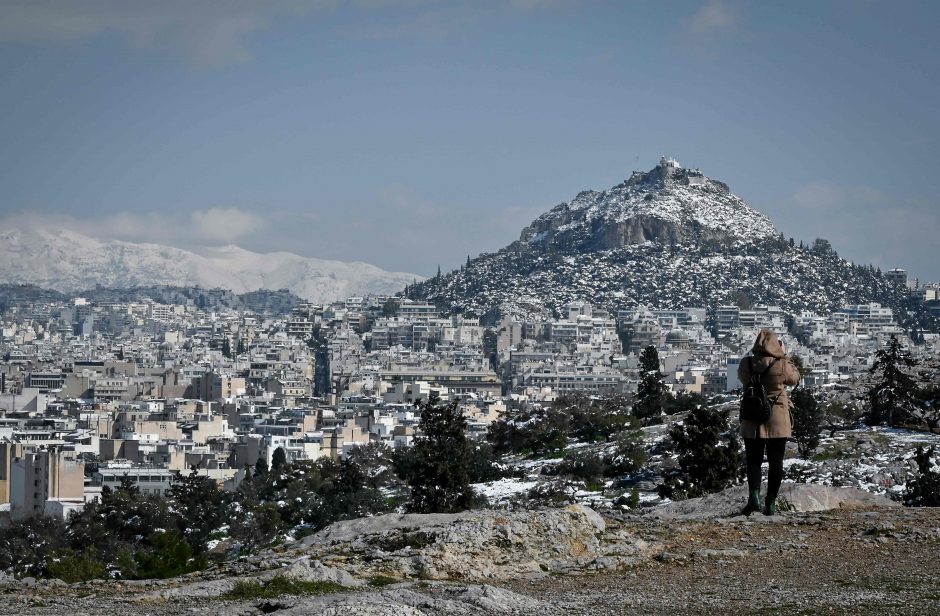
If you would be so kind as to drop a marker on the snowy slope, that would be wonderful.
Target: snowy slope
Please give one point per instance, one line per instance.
(666, 238)
(68, 261)
(667, 204)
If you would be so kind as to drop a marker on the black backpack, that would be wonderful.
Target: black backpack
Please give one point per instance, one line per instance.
(755, 405)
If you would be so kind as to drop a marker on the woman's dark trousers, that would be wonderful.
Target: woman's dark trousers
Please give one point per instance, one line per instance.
(754, 453)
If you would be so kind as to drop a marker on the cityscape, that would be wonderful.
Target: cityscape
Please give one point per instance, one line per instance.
(98, 392)
(490, 308)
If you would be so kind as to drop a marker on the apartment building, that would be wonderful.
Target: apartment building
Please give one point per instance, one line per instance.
(40, 476)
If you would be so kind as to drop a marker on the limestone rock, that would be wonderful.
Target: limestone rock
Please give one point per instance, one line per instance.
(475, 545)
(802, 497)
(349, 530)
(433, 600)
(310, 570)
(206, 589)
(809, 497)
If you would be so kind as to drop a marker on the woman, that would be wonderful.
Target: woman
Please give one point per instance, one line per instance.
(768, 358)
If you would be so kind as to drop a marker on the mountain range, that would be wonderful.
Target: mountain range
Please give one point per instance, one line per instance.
(67, 261)
(666, 238)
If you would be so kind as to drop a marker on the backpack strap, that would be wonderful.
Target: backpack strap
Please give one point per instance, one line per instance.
(760, 375)
(773, 401)
(767, 369)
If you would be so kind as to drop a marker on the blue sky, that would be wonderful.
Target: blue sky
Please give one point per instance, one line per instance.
(413, 133)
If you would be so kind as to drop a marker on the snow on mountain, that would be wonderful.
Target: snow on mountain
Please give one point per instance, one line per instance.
(67, 261)
(667, 204)
(667, 238)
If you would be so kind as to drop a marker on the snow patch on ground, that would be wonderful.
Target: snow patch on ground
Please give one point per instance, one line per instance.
(503, 490)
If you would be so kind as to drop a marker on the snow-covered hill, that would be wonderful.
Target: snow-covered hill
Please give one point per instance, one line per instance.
(669, 204)
(68, 261)
(666, 238)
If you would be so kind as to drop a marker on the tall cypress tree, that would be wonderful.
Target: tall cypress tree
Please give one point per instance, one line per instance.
(278, 459)
(652, 395)
(807, 421)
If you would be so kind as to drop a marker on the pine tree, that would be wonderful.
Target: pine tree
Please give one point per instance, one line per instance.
(923, 490)
(534, 431)
(436, 466)
(200, 506)
(391, 307)
(652, 396)
(822, 247)
(135, 534)
(838, 415)
(628, 454)
(27, 546)
(893, 397)
(594, 420)
(709, 455)
(377, 462)
(928, 400)
(807, 421)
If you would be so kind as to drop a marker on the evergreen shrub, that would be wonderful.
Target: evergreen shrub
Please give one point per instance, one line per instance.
(709, 455)
(923, 490)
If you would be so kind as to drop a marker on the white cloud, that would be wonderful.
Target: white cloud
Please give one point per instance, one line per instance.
(198, 227)
(707, 32)
(208, 34)
(128, 226)
(714, 15)
(223, 224)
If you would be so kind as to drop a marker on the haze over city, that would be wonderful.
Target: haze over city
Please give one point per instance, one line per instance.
(411, 134)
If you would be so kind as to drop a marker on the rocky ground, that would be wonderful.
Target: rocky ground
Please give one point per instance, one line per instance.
(864, 556)
(848, 562)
